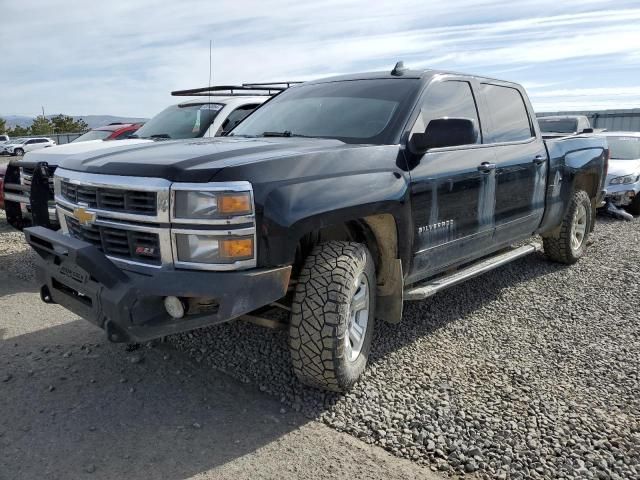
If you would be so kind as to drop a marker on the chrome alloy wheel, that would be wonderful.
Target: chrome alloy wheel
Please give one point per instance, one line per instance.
(578, 227)
(358, 318)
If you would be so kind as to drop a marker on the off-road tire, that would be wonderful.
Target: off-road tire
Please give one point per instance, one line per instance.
(320, 315)
(634, 207)
(558, 248)
(18, 152)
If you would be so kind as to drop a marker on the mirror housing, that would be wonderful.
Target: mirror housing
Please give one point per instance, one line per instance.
(587, 130)
(444, 132)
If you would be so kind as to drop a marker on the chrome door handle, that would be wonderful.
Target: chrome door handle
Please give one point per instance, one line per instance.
(539, 159)
(486, 167)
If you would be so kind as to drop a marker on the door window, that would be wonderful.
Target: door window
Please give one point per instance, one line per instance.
(235, 118)
(511, 121)
(453, 99)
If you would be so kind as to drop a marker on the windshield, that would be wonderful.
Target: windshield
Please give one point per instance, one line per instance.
(558, 126)
(93, 135)
(624, 148)
(180, 121)
(357, 111)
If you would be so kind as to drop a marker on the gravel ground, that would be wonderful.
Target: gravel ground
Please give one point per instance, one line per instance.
(73, 405)
(530, 371)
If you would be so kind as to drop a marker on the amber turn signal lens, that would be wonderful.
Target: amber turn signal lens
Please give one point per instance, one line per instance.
(239, 249)
(234, 203)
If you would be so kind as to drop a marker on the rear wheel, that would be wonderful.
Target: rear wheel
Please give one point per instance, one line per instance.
(569, 244)
(18, 151)
(634, 207)
(332, 315)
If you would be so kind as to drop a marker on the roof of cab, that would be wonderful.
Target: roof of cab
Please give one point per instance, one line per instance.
(405, 74)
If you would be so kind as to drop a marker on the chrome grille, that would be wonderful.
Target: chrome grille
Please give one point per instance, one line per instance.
(141, 247)
(117, 200)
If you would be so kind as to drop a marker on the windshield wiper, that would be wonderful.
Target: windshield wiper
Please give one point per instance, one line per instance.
(286, 133)
(159, 135)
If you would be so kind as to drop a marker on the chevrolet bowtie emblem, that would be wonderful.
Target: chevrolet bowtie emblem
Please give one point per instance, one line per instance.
(84, 217)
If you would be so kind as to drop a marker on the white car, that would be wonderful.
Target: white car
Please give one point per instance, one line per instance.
(4, 139)
(623, 174)
(191, 119)
(207, 116)
(20, 146)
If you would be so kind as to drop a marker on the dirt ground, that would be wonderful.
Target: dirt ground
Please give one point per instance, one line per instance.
(74, 406)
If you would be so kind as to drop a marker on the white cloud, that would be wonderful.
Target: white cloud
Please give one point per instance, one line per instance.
(124, 57)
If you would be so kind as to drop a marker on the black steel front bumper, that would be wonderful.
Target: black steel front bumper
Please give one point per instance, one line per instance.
(129, 306)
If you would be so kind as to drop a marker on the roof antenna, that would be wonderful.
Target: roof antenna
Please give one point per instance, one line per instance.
(210, 80)
(399, 69)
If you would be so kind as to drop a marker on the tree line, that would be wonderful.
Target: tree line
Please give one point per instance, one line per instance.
(42, 125)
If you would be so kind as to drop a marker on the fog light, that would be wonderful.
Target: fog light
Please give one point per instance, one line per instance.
(174, 307)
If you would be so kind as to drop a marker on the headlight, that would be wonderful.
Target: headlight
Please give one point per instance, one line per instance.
(625, 180)
(195, 248)
(210, 205)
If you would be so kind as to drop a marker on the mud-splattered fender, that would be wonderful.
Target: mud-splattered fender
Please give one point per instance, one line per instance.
(293, 210)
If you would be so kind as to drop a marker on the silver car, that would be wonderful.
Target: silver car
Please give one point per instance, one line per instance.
(623, 176)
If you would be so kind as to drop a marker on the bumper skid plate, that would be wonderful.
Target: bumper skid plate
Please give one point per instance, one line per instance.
(129, 306)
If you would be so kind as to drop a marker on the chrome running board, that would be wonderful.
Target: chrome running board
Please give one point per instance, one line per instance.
(431, 287)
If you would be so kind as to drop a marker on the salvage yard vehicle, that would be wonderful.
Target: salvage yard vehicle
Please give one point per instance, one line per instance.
(623, 177)
(217, 115)
(338, 200)
(113, 131)
(555, 126)
(20, 146)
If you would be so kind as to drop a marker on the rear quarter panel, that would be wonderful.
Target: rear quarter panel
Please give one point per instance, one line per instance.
(576, 162)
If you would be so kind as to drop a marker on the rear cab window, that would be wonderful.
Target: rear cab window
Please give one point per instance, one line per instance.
(509, 115)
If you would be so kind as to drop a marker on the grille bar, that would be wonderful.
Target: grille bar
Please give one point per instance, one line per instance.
(141, 247)
(116, 200)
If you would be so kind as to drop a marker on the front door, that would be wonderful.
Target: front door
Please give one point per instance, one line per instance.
(452, 189)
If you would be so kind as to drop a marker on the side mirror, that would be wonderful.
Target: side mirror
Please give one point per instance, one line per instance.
(587, 130)
(444, 132)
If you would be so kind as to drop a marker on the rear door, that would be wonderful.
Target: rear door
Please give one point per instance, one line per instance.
(521, 161)
(451, 194)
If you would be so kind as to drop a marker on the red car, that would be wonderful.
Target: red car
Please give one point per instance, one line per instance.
(113, 131)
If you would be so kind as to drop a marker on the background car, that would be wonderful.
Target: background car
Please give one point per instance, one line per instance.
(556, 126)
(20, 146)
(623, 175)
(113, 131)
(4, 139)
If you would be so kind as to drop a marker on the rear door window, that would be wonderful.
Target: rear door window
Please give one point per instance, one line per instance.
(508, 113)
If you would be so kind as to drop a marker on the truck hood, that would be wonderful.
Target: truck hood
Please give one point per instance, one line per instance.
(196, 160)
(619, 168)
(54, 155)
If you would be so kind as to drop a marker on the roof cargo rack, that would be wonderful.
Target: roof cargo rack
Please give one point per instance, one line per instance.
(244, 90)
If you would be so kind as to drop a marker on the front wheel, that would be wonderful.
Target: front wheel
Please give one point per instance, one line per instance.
(18, 152)
(332, 315)
(570, 242)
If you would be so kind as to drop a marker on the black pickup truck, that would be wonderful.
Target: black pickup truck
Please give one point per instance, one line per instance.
(336, 200)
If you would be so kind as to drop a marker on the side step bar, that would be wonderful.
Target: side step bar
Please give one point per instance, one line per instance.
(431, 287)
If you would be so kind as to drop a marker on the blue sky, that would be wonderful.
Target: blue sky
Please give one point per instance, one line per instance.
(124, 57)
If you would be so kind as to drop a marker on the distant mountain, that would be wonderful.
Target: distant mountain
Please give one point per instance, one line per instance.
(92, 120)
